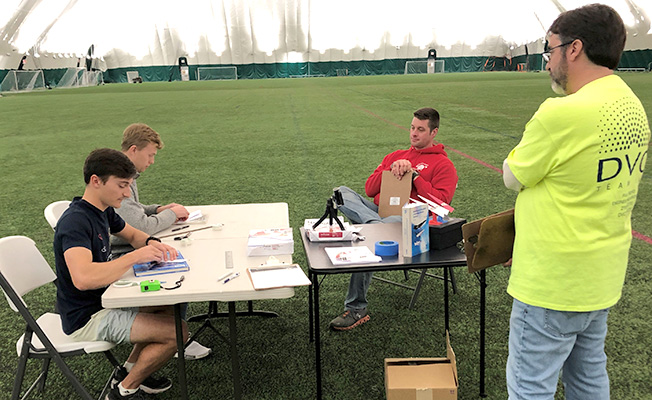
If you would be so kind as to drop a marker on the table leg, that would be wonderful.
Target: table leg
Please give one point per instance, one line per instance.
(483, 303)
(235, 361)
(311, 276)
(317, 336)
(181, 360)
(446, 309)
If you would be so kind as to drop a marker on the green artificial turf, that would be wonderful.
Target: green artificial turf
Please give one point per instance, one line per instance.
(293, 140)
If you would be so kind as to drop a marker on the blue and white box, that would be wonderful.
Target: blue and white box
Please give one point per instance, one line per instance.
(416, 232)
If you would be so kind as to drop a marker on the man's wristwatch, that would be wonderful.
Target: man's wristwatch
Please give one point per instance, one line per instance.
(415, 173)
(152, 238)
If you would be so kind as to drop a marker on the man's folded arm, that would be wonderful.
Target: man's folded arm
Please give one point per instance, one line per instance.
(442, 185)
(509, 179)
(134, 213)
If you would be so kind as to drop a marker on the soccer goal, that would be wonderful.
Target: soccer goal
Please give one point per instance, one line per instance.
(134, 77)
(77, 77)
(440, 66)
(216, 73)
(416, 67)
(22, 81)
(421, 67)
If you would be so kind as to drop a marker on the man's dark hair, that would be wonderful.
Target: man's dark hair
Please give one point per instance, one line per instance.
(600, 29)
(108, 162)
(429, 114)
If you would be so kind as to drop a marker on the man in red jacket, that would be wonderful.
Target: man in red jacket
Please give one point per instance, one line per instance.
(431, 172)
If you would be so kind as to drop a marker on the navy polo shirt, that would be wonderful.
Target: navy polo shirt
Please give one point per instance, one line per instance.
(82, 225)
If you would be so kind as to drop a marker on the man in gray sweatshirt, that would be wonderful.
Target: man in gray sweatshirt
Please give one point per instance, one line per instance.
(140, 144)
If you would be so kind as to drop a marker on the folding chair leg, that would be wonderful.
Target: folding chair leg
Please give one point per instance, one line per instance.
(116, 365)
(107, 385)
(44, 375)
(22, 364)
(111, 358)
(18, 381)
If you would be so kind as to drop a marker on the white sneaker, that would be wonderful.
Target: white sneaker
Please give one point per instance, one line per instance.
(195, 351)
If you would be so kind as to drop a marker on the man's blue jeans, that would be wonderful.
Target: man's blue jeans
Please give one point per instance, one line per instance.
(543, 342)
(360, 210)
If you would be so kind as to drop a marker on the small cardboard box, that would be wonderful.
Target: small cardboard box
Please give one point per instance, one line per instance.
(447, 234)
(422, 378)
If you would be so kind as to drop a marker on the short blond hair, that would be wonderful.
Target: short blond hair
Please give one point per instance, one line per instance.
(140, 135)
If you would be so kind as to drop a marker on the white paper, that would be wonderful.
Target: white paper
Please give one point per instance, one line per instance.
(351, 255)
(277, 277)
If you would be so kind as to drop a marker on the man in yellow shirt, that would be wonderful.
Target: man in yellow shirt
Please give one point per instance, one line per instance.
(577, 170)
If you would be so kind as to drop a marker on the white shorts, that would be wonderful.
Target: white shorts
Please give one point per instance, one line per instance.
(110, 324)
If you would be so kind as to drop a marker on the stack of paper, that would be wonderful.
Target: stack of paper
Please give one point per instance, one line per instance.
(351, 255)
(277, 276)
(269, 242)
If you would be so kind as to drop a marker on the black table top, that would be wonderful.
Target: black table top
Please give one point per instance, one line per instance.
(318, 261)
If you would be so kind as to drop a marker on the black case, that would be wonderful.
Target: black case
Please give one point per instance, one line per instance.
(446, 235)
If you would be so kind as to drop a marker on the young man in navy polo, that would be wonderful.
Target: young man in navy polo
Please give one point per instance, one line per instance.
(85, 270)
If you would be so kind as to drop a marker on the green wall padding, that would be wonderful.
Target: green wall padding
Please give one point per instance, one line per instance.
(533, 62)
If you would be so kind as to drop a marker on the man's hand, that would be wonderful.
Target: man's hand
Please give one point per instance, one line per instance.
(400, 167)
(155, 251)
(508, 263)
(179, 210)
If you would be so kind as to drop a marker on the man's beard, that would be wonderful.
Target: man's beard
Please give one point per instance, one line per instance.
(559, 78)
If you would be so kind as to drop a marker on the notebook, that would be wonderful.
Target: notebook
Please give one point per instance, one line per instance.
(180, 264)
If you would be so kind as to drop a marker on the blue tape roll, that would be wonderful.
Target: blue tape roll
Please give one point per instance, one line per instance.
(386, 248)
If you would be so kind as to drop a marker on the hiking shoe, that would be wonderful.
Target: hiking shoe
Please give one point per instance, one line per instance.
(114, 394)
(195, 351)
(349, 320)
(150, 385)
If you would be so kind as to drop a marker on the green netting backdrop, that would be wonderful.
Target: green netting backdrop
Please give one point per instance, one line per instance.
(630, 59)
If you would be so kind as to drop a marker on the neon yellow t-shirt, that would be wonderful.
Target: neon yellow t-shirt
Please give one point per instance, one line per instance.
(580, 161)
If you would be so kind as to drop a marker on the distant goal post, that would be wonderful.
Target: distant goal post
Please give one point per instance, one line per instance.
(217, 73)
(134, 77)
(422, 67)
(440, 66)
(79, 77)
(23, 81)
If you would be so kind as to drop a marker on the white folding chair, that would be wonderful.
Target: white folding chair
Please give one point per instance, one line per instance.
(22, 269)
(54, 210)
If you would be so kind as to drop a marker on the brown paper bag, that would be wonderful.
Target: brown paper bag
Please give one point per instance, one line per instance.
(394, 194)
(489, 241)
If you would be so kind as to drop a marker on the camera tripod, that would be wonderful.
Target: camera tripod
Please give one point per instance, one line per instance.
(331, 212)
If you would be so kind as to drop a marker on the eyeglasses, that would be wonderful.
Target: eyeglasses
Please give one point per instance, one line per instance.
(177, 284)
(548, 50)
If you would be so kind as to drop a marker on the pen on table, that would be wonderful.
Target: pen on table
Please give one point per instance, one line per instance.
(237, 274)
(180, 228)
(224, 276)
